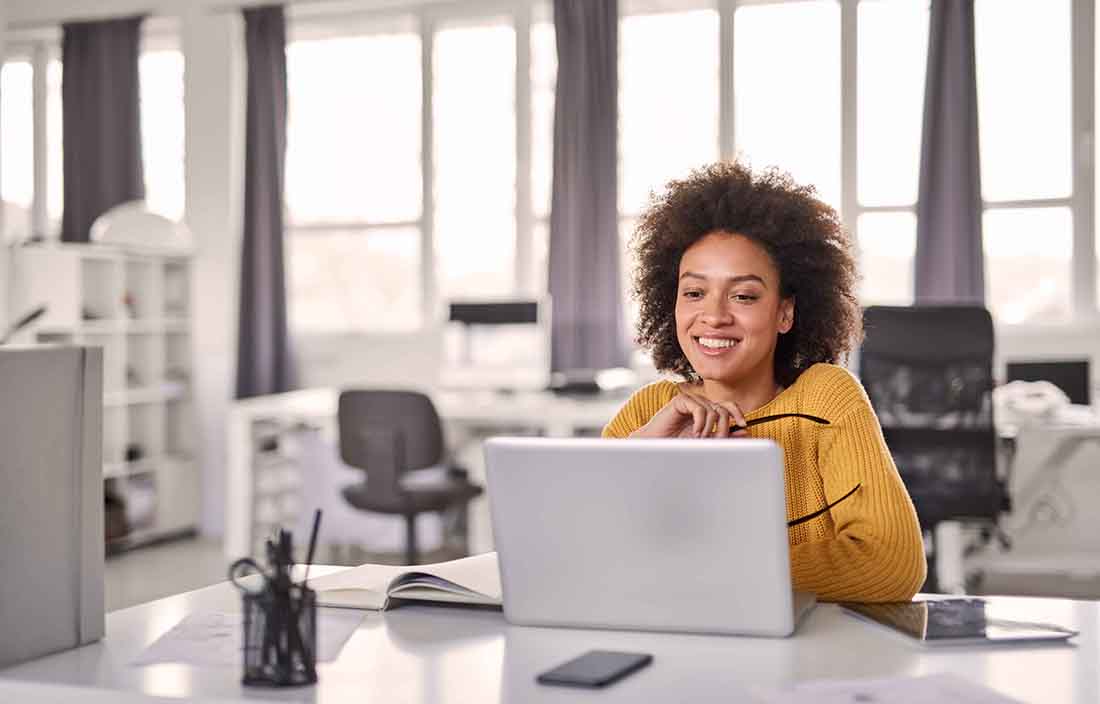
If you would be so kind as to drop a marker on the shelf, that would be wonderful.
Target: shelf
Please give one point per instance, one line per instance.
(112, 326)
(141, 302)
(146, 465)
(146, 394)
(120, 326)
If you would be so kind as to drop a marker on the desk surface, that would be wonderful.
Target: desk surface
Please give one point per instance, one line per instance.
(425, 654)
(537, 409)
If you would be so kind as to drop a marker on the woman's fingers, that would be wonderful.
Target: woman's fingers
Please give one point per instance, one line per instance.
(699, 417)
(722, 425)
(737, 418)
(688, 407)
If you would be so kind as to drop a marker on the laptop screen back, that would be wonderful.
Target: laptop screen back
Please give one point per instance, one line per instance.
(677, 535)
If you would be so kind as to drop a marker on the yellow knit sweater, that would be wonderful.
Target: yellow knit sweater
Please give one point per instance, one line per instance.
(869, 546)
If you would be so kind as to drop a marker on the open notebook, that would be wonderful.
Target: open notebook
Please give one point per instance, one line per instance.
(471, 580)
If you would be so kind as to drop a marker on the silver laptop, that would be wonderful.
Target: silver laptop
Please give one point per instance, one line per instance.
(663, 535)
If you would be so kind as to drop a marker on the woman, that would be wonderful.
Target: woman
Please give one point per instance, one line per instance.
(747, 289)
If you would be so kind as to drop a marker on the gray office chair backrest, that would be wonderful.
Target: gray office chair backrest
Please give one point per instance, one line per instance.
(388, 433)
(51, 500)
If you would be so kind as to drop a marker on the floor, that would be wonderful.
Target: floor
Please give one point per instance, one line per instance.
(157, 571)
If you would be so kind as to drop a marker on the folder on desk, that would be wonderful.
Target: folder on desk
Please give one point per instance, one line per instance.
(51, 500)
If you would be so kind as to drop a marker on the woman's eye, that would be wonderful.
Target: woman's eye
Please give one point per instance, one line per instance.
(693, 294)
(744, 297)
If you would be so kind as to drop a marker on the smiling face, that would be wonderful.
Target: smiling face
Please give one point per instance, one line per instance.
(729, 311)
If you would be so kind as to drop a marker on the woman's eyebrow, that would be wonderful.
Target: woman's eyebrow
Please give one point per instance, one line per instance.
(731, 279)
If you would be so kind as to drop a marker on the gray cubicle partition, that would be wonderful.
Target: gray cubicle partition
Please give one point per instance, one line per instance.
(51, 499)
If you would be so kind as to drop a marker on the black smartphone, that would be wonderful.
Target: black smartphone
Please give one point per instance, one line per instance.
(595, 668)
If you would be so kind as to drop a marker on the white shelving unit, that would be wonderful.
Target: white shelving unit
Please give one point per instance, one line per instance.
(136, 305)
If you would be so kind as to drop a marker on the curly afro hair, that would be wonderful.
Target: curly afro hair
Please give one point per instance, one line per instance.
(812, 252)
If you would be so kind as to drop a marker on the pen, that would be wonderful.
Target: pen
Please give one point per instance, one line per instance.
(312, 543)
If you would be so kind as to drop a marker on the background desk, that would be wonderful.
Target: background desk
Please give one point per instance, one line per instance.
(468, 416)
(437, 655)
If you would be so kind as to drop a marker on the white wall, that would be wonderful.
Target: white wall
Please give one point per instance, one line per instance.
(4, 275)
(213, 89)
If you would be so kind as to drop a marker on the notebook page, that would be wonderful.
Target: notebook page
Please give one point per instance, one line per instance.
(362, 587)
(476, 576)
(471, 579)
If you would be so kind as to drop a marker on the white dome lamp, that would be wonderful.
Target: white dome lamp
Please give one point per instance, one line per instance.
(131, 224)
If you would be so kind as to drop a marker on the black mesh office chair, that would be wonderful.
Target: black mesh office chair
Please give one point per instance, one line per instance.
(387, 434)
(929, 374)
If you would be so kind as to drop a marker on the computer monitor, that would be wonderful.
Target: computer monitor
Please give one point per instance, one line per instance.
(497, 344)
(1070, 375)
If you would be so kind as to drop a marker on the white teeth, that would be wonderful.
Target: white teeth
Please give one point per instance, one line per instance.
(716, 343)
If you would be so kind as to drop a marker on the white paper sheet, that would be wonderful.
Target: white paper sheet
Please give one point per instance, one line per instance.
(929, 689)
(215, 639)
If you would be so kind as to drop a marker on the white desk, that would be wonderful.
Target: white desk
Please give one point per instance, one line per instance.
(424, 654)
(470, 413)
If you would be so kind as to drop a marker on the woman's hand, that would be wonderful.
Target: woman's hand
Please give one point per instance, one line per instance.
(690, 415)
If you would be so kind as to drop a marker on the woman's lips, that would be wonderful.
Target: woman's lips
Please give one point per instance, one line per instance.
(715, 346)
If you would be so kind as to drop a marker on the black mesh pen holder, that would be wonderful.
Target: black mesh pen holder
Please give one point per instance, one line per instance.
(280, 636)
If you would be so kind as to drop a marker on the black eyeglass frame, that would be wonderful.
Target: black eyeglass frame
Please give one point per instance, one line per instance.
(821, 421)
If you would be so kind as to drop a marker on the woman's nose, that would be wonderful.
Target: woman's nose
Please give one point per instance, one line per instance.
(715, 311)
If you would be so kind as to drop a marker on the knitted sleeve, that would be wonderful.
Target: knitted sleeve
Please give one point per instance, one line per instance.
(639, 408)
(877, 553)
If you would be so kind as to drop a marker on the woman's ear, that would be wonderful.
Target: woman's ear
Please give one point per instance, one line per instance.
(786, 315)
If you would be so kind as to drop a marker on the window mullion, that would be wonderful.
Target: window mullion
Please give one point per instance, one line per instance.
(727, 144)
(40, 59)
(849, 115)
(524, 268)
(427, 174)
(1084, 184)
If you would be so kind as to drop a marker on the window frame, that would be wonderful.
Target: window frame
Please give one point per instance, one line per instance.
(40, 46)
(305, 22)
(525, 13)
(1081, 202)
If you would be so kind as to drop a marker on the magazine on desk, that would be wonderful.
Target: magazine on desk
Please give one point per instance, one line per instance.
(471, 580)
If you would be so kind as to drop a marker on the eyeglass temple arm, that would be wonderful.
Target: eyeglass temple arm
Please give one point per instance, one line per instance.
(765, 419)
(815, 514)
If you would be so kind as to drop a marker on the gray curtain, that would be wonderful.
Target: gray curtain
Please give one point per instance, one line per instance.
(101, 131)
(584, 232)
(949, 267)
(264, 362)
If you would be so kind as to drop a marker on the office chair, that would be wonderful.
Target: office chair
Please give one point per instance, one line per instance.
(929, 374)
(387, 434)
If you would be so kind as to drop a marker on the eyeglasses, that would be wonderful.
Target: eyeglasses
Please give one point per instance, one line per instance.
(815, 419)
(777, 416)
(815, 514)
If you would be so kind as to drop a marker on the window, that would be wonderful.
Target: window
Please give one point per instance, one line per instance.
(474, 122)
(544, 75)
(161, 75)
(27, 210)
(668, 112)
(35, 208)
(699, 80)
(55, 170)
(892, 48)
(1026, 183)
(353, 190)
(668, 101)
(787, 80)
(17, 147)
(370, 249)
